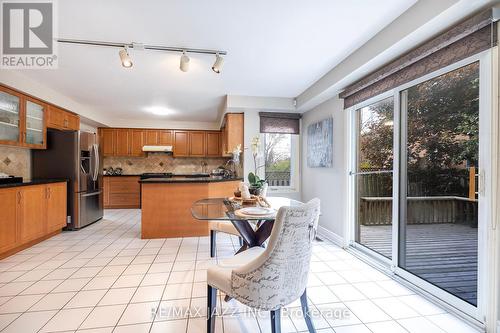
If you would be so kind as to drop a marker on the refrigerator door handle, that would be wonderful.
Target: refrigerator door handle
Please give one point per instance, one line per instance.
(96, 162)
(91, 194)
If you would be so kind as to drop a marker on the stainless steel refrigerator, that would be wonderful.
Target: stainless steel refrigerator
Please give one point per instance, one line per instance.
(76, 156)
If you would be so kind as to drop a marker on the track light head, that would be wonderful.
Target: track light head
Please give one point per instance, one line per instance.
(125, 58)
(219, 61)
(184, 64)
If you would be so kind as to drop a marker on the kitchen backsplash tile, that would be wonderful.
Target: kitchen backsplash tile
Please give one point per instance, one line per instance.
(162, 163)
(15, 161)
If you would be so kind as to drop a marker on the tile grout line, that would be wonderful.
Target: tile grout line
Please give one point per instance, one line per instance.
(81, 289)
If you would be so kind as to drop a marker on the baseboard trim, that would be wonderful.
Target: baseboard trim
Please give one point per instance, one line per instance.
(28, 244)
(331, 236)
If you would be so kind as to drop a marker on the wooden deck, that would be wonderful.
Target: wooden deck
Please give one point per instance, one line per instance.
(443, 254)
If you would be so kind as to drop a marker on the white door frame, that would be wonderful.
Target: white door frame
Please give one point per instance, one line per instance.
(481, 313)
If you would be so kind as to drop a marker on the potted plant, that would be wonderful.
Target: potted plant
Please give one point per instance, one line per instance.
(256, 183)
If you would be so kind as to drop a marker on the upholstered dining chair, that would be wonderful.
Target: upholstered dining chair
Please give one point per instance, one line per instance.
(221, 226)
(270, 278)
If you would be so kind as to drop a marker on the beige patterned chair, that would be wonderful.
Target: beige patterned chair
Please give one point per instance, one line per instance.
(272, 277)
(221, 226)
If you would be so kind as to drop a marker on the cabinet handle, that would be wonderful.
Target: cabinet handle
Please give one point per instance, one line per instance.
(49, 192)
(65, 122)
(19, 196)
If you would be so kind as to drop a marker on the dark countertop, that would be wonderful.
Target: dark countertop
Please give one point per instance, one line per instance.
(138, 175)
(34, 182)
(181, 179)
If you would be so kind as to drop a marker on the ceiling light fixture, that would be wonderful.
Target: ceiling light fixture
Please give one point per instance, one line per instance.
(125, 58)
(127, 61)
(158, 110)
(219, 61)
(184, 64)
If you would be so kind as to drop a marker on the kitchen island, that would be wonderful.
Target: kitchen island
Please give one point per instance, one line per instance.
(166, 204)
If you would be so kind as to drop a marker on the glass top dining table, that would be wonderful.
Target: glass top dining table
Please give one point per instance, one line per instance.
(253, 230)
(221, 209)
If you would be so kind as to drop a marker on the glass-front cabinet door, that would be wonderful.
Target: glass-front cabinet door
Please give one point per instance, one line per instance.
(10, 111)
(34, 135)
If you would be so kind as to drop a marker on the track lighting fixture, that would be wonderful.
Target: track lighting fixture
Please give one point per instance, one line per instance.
(184, 64)
(125, 58)
(127, 61)
(219, 61)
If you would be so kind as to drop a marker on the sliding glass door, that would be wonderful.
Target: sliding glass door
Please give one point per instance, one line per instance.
(373, 176)
(438, 227)
(420, 157)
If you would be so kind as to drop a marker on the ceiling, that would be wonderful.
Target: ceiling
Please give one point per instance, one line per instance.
(275, 48)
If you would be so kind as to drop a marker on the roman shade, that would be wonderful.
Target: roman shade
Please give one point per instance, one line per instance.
(474, 35)
(278, 122)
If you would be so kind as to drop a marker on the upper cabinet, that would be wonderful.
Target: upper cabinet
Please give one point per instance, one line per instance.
(10, 117)
(108, 141)
(158, 137)
(185, 143)
(181, 143)
(165, 138)
(22, 120)
(61, 119)
(35, 129)
(197, 144)
(151, 137)
(214, 144)
(122, 146)
(232, 132)
(136, 142)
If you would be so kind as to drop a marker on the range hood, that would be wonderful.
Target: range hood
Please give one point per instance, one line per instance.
(157, 149)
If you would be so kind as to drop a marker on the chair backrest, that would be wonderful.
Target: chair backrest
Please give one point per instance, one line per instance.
(279, 276)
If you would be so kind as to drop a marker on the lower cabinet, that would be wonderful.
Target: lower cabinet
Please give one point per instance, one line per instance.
(32, 218)
(30, 213)
(56, 206)
(8, 216)
(122, 192)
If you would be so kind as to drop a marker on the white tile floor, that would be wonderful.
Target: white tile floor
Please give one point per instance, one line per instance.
(104, 278)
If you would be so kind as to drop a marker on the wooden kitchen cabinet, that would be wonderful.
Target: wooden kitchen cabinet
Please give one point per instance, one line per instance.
(22, 120)
(232, 132)
(151, 137)
(165, 138)
(108, 141)
(122, 192)
(197, 144)
(181, 143)
(32, 217)
(8, 218)
(122, 146)
(56, 206)
(34, 124)
(136, 142)
(30, 214)
(61, 119)
(72, 121)
(122, 141)
(186, 143)
(213, 144)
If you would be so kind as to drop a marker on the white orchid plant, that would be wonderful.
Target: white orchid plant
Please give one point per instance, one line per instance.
(253, 179)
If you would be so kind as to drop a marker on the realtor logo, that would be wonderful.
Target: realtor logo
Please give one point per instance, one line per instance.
(28, 35)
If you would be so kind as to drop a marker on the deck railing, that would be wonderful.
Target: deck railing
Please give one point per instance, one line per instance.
(278, 178)
(420, 210)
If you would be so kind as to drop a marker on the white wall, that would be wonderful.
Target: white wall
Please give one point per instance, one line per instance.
(21, 82)
(328, 184)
